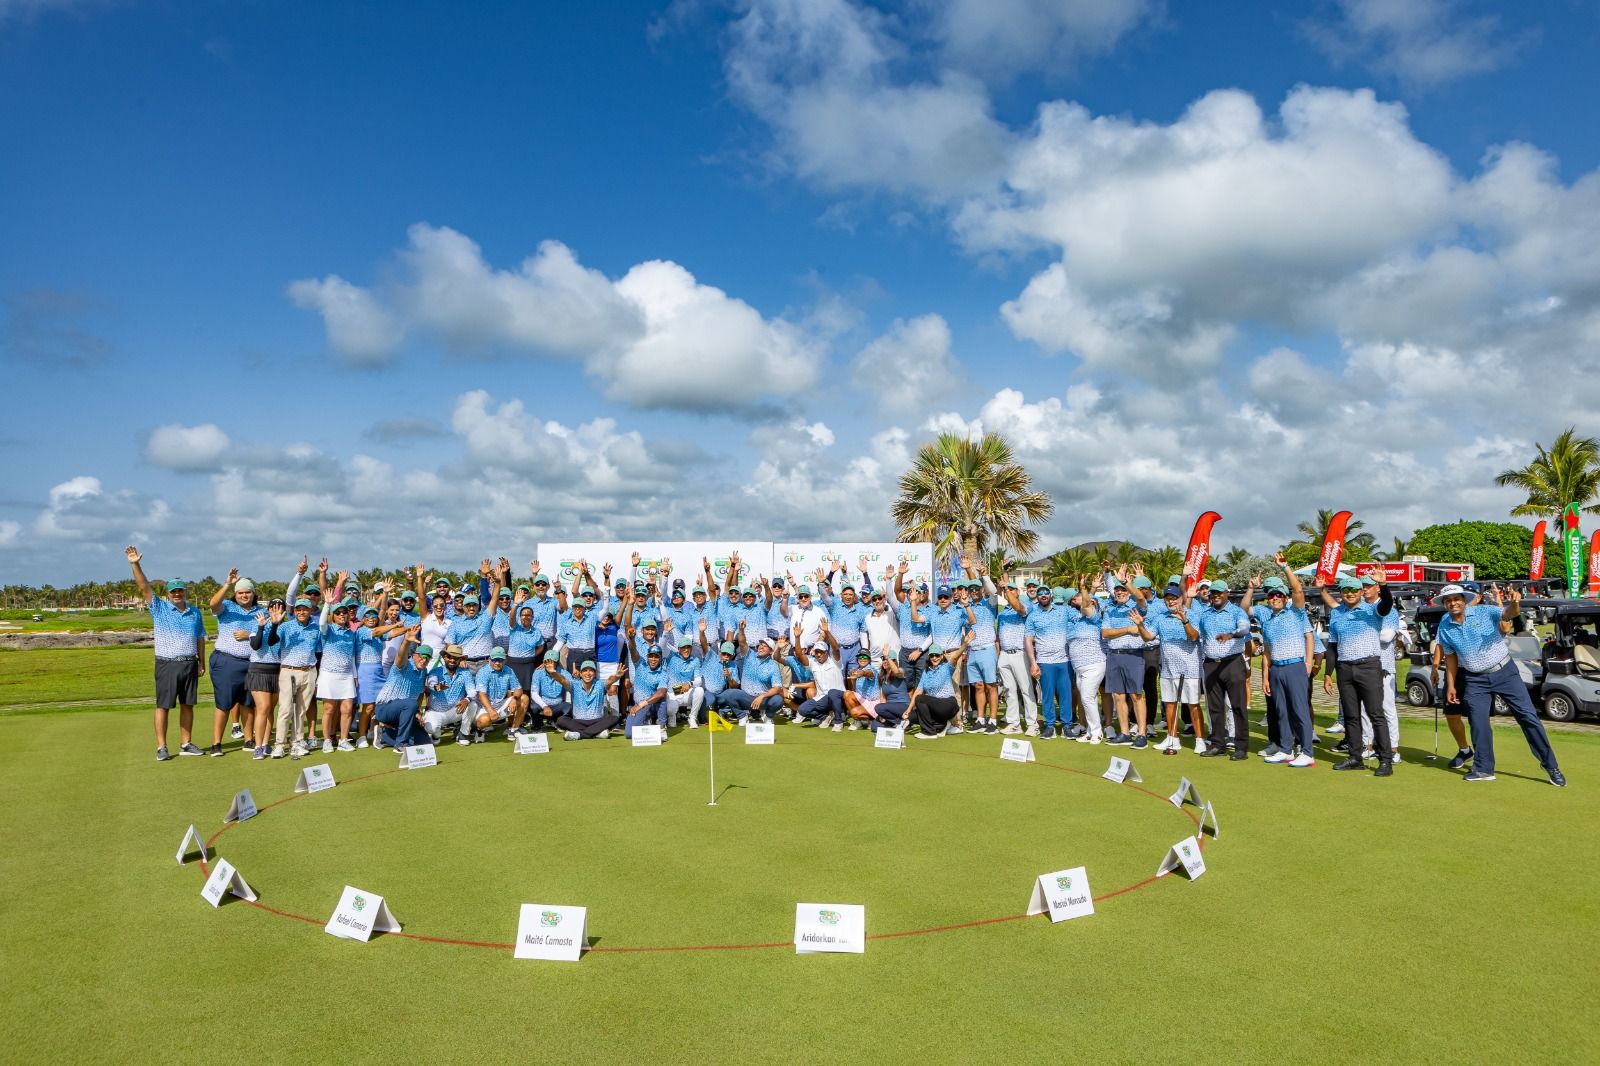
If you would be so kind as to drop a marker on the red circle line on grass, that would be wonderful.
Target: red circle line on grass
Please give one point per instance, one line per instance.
(975, 923)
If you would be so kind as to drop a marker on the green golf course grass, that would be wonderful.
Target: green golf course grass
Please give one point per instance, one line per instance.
(1341, 916)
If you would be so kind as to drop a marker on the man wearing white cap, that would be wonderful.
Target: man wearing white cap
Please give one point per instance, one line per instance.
(824, 704)
(230, 656)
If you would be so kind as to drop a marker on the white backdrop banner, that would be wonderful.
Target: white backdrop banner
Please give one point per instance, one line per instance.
(802, 560)
(684, 556)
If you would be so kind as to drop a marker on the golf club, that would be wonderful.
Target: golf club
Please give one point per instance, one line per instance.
(1435, 754)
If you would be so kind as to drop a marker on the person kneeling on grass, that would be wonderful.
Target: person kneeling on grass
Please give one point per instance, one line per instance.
(589, 718)
(933, 702)
(500, 695)
(824, 703)
(864, 699)
(760, 686)
(451, 692)
(547, 690)
(396, 707)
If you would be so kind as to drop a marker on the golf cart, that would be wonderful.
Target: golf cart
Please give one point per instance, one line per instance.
(1572, 662)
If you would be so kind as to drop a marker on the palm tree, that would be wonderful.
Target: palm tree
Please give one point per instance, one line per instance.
(1232, 560)
(969, 497)
(1401, 548)
(1569, 472)
(1314, 533)
(1161, 563)
(1071, 566)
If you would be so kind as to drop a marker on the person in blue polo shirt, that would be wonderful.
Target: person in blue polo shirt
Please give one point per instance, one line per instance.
(1355, 626)
(180, 635)
(473, 630)
(1475, 650)
(589, 719)
(1224, 629)
(500, 695)
(230, 657)
(1289, 660)
(933, 701)
(1045, 644)
(1179, 642)
(1122, 630)
(397, 702)
(649, 678)
(548, 693)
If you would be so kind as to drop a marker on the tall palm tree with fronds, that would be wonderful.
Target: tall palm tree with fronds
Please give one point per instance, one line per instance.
(1161, 563)
(1399, 550)
(1071, 566)
(969, 497)
(1314, 533)
(1568, 472)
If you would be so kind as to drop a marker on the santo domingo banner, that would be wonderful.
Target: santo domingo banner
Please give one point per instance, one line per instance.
(1332, 549)
(684, 556)
(1594, 564)
(1199, 553)
(1536, 559)
(804, 559)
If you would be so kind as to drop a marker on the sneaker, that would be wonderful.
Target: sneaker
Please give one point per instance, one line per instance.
(573, 734)
(1141, 741)
(1031, 731)
(362, 743)
(162, 754)
(1096, 737)
(953, 729)
(1081, 738)
(1279, 757)
(1262, 721)
(1463, 757)
(1076, 729)
(1384, 769)
(481, 736)
(1238, 756)
(920, 735)
(215, 751)
(693, 724)
(1119, 739)
(854, 725)
(838, 727)
(605, 734)
(259, 753)
(237, 733)
(1302, 760)
(277, 753)
(1199, 745)
(1557, 778)
(1343, 747)
(190, 749)
(345, 745)
(1270, 750)
(1478, 775)
(296, 752)
(1368, 753)
(992, 728)
(1350, 764)
(1011, 730)
(1213, 753)
(810, 722)
(327, 747)
(1336, 728)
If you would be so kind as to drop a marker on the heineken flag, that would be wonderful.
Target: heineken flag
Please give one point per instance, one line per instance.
(1332, 549)
(1536, 560)
(1573, 542)
(1594, 564)
(1199, 554)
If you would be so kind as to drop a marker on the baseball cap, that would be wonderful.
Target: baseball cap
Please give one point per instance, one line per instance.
(1452, 590)
(349, 604)
(699, 590)
(654, 649)
(944, 590)
(468, 599)
(803, 590)
(1061, 593)
(176, 583)
(1142, 582)
(777, 582)
(765, 641)
(1175, 579)
(1218, 585)
(369, 612)
(302, 602)
(864, 654)
(587, 664)
(1172, 589)
(935, 650)
(1348, 583)
(1471, 586)
(649, 623)
(541, 580)
(820, 645)
(620, 583)
(685, 641)
(1366, 579)
(1030, 584)
(551, 657)
(244, 584)
(412, 596)
(498, 653)
(728, 647)
(423, 650)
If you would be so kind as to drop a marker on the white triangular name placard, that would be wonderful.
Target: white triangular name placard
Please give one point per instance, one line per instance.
(315, 779)
(1208, 813)
(1122, 770)
(1014, 750)
(242, 808)
(417, 756)
(890, 738)
(647, 736)
(225, 879)
(760, 733)
(192, 837)
(545, 931)
(1186, 793)
(1065, 894)
(1185, 855)
(360, 914)
(532, 744)
(824, 927)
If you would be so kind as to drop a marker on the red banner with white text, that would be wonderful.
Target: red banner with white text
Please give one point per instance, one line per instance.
(1536, 560)
(1332, 549)
(1199, 553)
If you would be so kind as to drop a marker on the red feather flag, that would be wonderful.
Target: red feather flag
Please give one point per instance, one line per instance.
(1536, 560)
(1199, 554)
(1332, 549)
(1594, 564)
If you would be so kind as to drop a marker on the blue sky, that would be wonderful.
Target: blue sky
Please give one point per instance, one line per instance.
(279, 277)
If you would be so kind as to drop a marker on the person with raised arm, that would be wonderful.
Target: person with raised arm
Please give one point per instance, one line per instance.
(180, 639)
(933, 702)
(230, 657)
(1355, 625)
(1290, 658)
(1181, 669)
(397, 708)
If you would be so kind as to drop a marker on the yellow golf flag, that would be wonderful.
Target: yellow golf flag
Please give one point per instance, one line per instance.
(716, 723)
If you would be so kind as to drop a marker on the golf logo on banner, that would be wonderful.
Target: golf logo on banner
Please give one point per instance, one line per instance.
(1208, 814)
(359, 915)
(1186, 793)
(314, 779)
(242, 808)
(1122, 770)
(760, 733)
(1185, 855)
(532, 744)
(1065, 894)
(192, 837)
(545, 931)
(225, 879)
(1014, 750)
(647, 736)
(821, 927)
(889, 738)
(416, 756)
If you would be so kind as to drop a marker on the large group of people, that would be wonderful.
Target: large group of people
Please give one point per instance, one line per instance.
(1115, 662)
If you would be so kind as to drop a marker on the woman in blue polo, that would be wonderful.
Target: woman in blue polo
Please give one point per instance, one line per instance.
(933, 701)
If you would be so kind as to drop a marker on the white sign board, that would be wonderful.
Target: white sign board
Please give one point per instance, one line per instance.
(647, 736)
(1122, 770)
(1014, 750)
(533, 744)
(1065, 894)
(416, 756)
(804, 559)
(545, 931)
(559, 560)
(1208, 813)
(821, 927)
(242, 808)
(759, 733)
(1186, 793)
(314, 779)
(359, 915)
(223, 880)
(191, 837)
(890, 738)
(1185, 854)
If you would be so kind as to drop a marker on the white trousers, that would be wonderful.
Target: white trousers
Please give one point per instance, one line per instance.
(1018, 686)
(1391, 715)
(691, 699)
(1087, 679)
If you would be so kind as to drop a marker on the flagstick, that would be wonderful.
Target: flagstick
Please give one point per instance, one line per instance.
(711, 749)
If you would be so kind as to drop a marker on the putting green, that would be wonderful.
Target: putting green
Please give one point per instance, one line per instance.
(628, 834)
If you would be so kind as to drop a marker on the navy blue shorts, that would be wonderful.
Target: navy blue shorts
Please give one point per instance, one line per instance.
(1125, 672)
(227, 679)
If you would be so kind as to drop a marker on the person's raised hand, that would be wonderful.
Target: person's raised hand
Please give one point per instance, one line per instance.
(634, 558)
(233, 574)
(132, 553)
(1255, 582)
(305, 561)
(1278, 557)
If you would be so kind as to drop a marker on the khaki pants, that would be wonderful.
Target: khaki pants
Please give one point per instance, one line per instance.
(296, 690)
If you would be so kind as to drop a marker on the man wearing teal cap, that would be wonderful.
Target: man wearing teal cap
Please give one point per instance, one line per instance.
(180, 638)
(1356, 627)
(1223, 629)
(396, 708)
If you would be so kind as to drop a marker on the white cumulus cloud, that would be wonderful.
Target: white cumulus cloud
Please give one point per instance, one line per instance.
(178, 447)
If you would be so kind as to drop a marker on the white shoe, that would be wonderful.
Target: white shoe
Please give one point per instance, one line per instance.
(573, 734)
(952, 729)
(1011, 730)
(1336, 728)
(1199, 746)
(1033, 731)
(693, 724)
(1095, 738)
(1368, 753)
(1281, 756)
(327, 746)
(345, 745)
(296, 750)
(362, 743)
(605, 734)
(1081, 739)
(1302, 760)
(838, 727)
